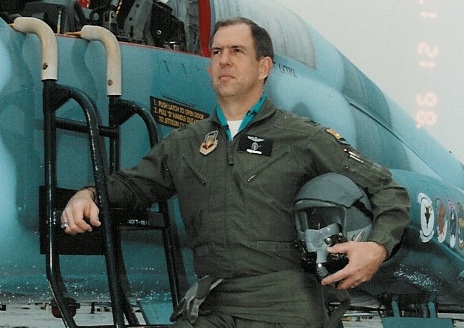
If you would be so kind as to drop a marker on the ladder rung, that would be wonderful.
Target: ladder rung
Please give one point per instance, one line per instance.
(78, 126)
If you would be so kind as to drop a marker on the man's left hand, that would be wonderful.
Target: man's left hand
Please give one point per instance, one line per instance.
(365, 259)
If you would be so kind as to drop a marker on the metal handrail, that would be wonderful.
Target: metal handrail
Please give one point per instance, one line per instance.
(54, 97)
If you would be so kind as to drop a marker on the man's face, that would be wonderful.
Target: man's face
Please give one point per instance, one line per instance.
(234, 69)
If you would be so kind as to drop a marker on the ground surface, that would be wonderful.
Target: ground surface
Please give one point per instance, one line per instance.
(38, 315)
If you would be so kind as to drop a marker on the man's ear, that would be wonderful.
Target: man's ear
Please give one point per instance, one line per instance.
(266, 65)
(209, 69)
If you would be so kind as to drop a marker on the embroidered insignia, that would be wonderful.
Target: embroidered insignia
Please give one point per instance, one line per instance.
(210, 143)
(254, 148)
(255, 145)
(255, 139)
(353, 155)
(337, 135)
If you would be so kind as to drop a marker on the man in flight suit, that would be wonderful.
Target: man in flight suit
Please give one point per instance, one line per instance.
(236, 175)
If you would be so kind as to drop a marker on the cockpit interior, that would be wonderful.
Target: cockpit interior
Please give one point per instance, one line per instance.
(169, 24)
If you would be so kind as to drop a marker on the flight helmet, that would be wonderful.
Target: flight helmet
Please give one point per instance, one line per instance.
(327, 210)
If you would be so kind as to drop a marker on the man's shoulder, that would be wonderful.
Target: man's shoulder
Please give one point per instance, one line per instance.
(289, 120)
(191, 129)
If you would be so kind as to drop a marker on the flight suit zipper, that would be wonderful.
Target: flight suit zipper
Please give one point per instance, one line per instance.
(230, 153)
(194, 171)
(257, 173)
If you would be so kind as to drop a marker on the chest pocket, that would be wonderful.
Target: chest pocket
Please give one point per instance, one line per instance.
(277, 176)
(192, 188)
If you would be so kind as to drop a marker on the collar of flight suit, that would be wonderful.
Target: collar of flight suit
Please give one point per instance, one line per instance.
(267, 109)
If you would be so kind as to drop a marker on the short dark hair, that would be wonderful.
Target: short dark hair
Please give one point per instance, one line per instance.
(261, 37)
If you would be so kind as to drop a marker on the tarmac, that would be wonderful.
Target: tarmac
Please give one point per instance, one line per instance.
(39, 315)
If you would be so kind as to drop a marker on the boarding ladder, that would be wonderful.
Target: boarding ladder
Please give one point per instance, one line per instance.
(105, 241)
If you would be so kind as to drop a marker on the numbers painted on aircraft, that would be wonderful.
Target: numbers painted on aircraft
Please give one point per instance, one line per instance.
(428, 54)
(426, 14)
(425, 117)
(429, 99)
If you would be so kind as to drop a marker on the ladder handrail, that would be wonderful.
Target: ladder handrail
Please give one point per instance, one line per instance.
(54, 97)
(48, 44)
(90, 111)
(113, 55)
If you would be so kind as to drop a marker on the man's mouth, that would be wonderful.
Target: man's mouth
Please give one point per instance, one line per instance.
(225, 77)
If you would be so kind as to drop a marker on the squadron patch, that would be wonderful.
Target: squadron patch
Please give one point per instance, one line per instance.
(460, 217)
(442, 220)
(453, 223)
(337, 136)
(427, 217)
(210, 143)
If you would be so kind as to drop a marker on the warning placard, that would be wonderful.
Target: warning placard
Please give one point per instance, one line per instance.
(174, 115)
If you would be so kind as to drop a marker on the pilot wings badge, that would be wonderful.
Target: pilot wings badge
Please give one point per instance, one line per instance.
(210, 143)
(255, 145)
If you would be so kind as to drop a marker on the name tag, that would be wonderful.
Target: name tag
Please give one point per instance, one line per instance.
(255, 145)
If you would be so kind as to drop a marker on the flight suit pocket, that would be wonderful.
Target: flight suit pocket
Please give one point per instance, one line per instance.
(192, 189)
(278, 177)
(363, 171)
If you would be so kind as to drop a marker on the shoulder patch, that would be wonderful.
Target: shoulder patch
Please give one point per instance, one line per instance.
(337, 136)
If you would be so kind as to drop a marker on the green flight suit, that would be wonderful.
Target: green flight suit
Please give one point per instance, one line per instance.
(236, 204)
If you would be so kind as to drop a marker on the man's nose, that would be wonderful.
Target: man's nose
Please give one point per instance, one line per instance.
(224, 58)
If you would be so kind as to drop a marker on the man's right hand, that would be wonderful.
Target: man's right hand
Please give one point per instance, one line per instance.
(81, 213)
